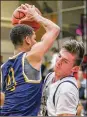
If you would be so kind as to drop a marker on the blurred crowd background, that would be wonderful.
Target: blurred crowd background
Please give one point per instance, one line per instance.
(71, 16)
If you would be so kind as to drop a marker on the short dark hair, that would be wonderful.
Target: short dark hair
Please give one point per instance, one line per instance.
(19, 32)
(76, 48)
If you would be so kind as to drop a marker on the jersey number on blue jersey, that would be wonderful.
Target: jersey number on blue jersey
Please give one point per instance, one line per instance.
(10, 80)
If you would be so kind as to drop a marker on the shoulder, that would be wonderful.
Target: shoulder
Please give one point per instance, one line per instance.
(67, 91)
(4, 64)
(68, 85)
(47, 81)
(49, 77)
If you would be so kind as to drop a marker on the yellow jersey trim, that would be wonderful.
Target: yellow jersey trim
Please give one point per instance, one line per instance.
(13, 57)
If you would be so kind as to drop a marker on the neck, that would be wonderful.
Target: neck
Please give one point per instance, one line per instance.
(18, 50)
(57, 77)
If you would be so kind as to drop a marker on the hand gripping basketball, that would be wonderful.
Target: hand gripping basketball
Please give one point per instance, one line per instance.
(29, 11)
(25, 14)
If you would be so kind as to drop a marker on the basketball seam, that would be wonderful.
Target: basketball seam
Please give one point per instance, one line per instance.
(19, 15)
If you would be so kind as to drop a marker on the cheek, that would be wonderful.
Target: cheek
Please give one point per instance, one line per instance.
(67, 69)
(34, 42)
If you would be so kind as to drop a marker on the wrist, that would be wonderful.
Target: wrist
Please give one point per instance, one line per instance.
(37, 17)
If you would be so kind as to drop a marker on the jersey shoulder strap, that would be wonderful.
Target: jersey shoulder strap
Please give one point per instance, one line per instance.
(47, 77)
(58, 87)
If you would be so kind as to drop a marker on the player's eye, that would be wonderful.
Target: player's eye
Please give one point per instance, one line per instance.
(65, 61)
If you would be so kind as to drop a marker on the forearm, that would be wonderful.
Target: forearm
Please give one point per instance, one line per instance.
(66, 115)
(2, 98)
(46, 23)
(32, 14)
(52, 32)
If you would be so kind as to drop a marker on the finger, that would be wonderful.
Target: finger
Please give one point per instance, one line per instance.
(21, 10)
(28, 6)
(22, 20)
(23, 6)
(33, 6)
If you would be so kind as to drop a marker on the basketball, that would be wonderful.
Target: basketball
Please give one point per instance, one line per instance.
(17, 16)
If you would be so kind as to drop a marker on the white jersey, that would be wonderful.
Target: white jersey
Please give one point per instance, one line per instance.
(45, 94)
(66, 96)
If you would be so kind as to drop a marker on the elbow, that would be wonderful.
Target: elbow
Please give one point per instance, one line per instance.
(56, 30)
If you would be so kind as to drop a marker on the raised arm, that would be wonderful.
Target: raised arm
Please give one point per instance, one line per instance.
(52, 31)
(47, 40)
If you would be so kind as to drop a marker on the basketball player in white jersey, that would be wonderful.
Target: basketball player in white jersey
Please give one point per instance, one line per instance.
(60, 90)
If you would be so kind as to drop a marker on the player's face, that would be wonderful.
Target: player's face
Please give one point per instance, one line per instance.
(33, 39)
(30, 41)
(64, 63)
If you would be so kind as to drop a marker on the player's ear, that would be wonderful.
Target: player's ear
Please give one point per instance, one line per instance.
(75, 69)
(28, 40)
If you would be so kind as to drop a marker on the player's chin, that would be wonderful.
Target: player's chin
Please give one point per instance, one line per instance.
(56, 68)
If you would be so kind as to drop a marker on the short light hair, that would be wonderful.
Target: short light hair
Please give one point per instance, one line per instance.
(76, 48)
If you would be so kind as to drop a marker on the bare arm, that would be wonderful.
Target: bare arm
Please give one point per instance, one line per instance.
(52, 31)
(66, 115)
(2, 98)
(38, 50)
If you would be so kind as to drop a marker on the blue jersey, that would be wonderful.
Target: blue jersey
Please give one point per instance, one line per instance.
(22, 95)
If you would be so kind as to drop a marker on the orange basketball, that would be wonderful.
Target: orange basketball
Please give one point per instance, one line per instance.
(17, 16)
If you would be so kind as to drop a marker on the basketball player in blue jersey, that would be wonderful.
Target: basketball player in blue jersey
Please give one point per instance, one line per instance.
(21, 76)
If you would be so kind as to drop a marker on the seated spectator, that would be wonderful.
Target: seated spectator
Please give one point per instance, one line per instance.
(82, 26)
(84, 66)
(81, 90)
